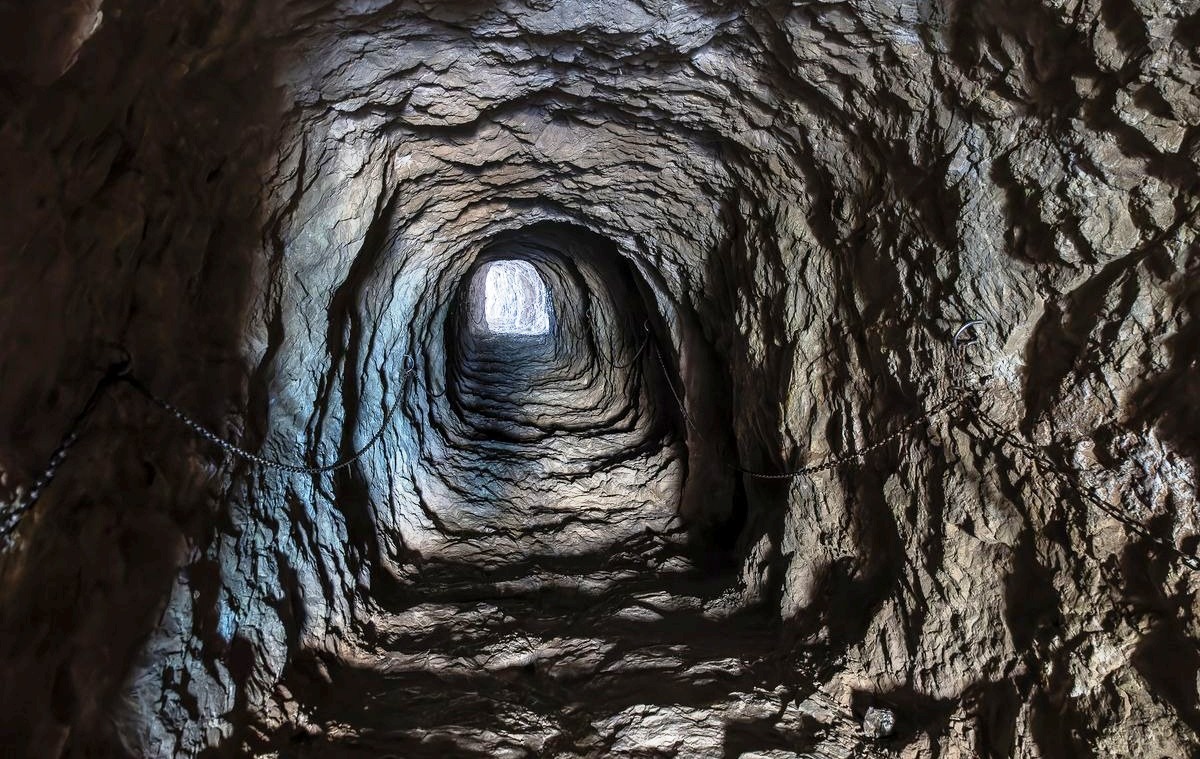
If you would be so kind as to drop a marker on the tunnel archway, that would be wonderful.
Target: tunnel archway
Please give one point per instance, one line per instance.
(546, 444)
(277, 209)
(508, 297)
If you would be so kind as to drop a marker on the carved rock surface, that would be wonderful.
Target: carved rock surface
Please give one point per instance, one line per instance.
(758, 225)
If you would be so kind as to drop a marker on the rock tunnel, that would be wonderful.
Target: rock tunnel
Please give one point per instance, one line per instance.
(523, 378)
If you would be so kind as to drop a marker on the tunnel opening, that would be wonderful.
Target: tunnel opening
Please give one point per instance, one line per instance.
(554, 435)
(508, 297)
(547, 496)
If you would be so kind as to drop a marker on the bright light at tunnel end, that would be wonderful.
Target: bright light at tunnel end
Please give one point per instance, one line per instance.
(515, 301)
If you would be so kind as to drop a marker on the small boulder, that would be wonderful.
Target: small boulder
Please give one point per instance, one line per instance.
(878, 723)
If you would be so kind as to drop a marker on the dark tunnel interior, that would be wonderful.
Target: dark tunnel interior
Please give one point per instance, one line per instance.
(647, 378)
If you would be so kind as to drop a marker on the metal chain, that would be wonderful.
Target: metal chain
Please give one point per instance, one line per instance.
(1038, 455)
(247, 455)
(856, 453)
(671, 386)
(118, 373)
(11, 517)
(961, 392)
(636, 355)
(16, 511)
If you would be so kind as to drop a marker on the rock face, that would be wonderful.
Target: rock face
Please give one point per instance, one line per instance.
(757, 225)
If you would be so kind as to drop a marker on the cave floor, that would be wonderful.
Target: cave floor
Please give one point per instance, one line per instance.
(564, 657)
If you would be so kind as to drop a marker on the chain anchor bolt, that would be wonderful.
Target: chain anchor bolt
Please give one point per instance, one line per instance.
(967, 334)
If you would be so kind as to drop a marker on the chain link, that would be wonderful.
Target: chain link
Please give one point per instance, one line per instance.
(636, 355)
(854, 454)
(11, 516)
(242, 453)
(962, 391)
(860, 453)
(1037, 454)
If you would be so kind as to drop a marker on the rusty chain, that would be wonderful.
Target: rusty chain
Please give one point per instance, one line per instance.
(637, 354)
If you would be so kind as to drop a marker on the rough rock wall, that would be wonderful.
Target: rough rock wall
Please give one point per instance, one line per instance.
(774, 212)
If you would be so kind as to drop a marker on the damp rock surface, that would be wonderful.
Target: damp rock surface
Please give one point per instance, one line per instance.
(757, 226)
